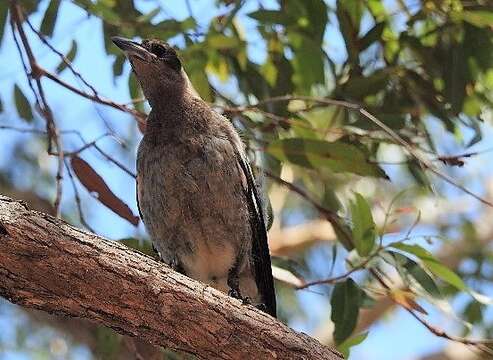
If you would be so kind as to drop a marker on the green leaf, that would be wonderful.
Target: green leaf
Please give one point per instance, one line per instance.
(343, 234)
(307, 61)
(22, 104)
(269, 16)
(196, 61)
(445, 274)
(329, 199)
(473, 312)
(349, 14)
(345, 309)
(478, 18)
(107, 343)
(135, 92)
(336, 156)
(220, 42)
(414, 249)
(118, 65)
(433, 265)
(170, 27)
(417, 272)
(49, 19)
(70, 57)
(423, 279)
(149, 16)
(346, 345)
(361, 86)
(364, 232)
(4, 9)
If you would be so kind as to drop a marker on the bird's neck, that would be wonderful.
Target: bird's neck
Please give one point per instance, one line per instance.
(171, 112)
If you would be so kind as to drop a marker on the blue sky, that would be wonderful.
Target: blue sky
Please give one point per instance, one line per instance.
(408, 338)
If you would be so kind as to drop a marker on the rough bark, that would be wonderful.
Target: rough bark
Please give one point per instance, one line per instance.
(49, 265)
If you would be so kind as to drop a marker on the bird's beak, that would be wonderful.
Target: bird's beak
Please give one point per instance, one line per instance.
(132, 49)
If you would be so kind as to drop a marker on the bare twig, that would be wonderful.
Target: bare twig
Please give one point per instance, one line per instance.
(44, 108)
(140, 117)
(64, 59)
(440, 333)
(23, 130)
(339, 278)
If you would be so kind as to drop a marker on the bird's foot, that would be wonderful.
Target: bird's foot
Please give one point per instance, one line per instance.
(157, 253)
(177, 266)
(261, 307)
(235, 293)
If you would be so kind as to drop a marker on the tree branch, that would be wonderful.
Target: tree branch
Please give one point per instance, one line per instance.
(49, 265)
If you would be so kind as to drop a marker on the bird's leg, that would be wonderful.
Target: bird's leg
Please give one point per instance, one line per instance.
(157, 252)
(234, 285)
(177, 266)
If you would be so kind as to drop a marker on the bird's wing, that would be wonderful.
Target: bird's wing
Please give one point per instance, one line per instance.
(260, 247)
(137, 193)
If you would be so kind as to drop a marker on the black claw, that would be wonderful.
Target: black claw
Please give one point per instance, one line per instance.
(177, 266)
(235, 293)
(261, 307)
(246, 301)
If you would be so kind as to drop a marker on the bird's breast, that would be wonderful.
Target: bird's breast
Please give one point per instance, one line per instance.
(192, 202)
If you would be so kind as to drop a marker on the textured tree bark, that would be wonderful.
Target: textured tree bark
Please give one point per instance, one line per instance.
(49, 265)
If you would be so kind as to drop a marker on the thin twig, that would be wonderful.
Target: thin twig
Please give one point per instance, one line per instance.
(23, 130)
(425, 163)
(480, 344)
(116, 162)
(140, 117)
(108, 157)
(45, 110)
(331, 216)
(62, 56)
(326, 212)
(339, 278)
(440, 333)
(77, 74)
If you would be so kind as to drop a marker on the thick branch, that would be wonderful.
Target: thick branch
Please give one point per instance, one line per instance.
(49, 265)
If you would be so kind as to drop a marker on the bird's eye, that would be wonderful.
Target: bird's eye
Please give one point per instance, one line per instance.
(158, 50)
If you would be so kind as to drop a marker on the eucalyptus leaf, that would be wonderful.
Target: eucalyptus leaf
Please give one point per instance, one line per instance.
(70, 57)
(4, 9)
(345, 347)
(364, 232)
(49, 19)
(345, 303)
(22, 104)
(336, 156)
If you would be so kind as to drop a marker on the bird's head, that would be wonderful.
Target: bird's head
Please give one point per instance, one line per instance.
(157, 67)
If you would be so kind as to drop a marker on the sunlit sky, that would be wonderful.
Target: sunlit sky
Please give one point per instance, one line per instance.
(393, 338)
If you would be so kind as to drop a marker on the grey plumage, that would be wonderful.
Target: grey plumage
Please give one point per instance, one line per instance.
(196, 192)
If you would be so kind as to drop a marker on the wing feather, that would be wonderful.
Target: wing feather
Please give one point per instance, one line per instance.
(260, 247)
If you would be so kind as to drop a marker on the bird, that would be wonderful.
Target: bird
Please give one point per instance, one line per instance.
(196, 192)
